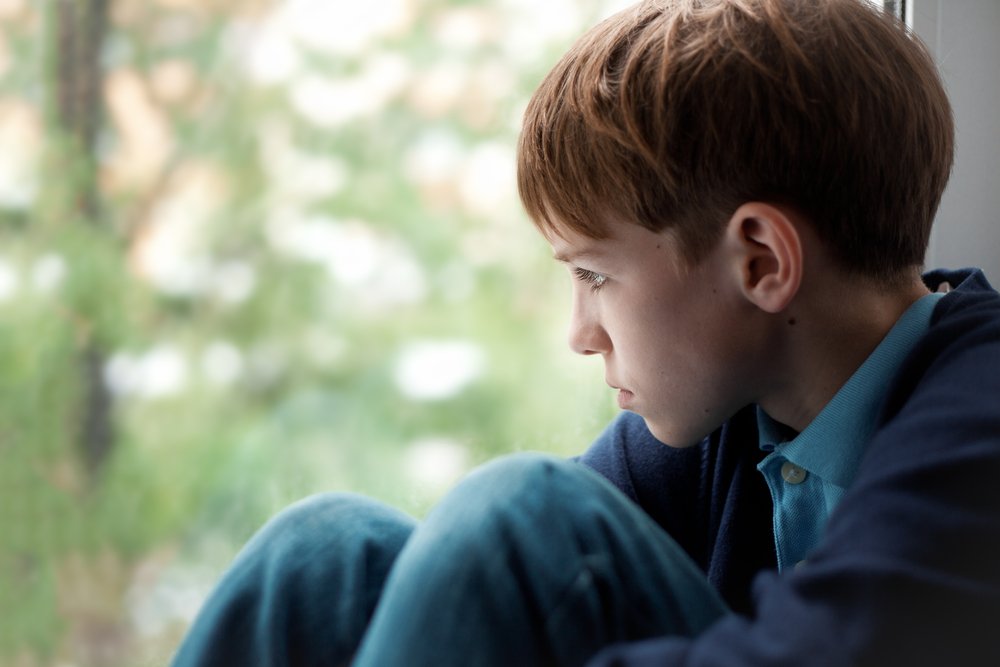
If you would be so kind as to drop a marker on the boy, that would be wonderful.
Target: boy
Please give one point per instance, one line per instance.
(743, 192)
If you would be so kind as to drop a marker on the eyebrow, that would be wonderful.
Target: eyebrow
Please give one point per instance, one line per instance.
(570, 257)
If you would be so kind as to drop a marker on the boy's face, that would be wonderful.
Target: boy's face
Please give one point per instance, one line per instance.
(674, 337)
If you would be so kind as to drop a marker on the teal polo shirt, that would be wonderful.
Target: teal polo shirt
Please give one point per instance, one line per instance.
(808, 473)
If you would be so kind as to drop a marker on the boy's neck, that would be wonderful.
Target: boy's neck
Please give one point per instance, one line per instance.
(838, 323)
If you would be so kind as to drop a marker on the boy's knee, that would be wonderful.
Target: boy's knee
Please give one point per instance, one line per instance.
(323, 509)
(327, 522)
(518, 466)
(522, 486)
(515, 476)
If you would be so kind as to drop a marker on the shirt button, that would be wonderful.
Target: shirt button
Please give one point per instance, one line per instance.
(793, 474)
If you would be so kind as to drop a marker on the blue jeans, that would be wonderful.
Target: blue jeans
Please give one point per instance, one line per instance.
(530, 560)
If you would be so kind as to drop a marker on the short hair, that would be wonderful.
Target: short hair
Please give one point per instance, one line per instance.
(672, 113)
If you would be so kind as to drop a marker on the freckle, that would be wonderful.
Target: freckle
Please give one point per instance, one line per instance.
(791, 321)
(657, 246)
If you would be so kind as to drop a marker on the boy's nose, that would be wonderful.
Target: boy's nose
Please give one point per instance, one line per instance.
(586, 335)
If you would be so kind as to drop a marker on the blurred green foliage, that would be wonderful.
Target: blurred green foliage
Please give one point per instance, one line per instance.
(307, 271)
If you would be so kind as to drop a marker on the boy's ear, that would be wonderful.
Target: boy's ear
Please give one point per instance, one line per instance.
(768, 252)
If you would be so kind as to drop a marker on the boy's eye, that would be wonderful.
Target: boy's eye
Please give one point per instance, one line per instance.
(595, 280)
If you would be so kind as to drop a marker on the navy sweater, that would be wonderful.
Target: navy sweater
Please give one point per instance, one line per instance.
(908, 571)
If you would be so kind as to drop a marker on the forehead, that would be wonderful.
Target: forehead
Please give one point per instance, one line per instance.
(622, 241)
(572, 247)
(568, 251)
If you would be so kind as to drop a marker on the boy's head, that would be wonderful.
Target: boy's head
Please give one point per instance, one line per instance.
(673, 113)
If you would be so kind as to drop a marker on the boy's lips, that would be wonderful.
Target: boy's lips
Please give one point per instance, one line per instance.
(625, 397)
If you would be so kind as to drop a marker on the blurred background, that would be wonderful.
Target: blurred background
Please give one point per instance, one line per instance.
(252, 250)
(256, 249)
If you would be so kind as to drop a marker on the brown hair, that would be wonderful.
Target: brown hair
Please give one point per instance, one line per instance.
(672, 113)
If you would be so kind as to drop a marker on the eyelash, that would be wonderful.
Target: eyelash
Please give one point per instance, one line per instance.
(595, 280)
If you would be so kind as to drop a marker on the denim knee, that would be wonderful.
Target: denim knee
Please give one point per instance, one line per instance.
(517, 496)
(325, 522)
(303, 589)
(527, 480)
(504, 566)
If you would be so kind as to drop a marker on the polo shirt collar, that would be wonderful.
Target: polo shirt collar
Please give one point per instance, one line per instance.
(832, 445)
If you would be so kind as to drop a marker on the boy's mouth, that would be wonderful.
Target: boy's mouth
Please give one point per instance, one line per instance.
(625, 398)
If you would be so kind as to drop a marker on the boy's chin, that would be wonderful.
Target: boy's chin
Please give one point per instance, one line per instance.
(670, 435)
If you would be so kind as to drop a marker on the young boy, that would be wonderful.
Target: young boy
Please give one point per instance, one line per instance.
(743, 192)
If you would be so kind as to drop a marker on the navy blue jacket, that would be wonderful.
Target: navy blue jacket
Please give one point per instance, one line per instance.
(908, 572)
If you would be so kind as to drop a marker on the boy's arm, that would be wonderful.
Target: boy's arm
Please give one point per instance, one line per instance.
(909, 570)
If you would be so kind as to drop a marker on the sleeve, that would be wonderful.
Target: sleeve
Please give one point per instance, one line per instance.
(908, 572)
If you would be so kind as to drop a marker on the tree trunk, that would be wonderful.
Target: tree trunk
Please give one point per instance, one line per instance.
(80, 28)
